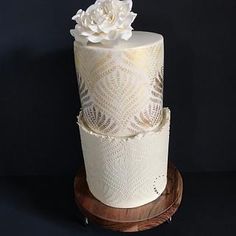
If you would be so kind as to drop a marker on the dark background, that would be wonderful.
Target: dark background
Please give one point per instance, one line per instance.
(39, 102)
(38, 91)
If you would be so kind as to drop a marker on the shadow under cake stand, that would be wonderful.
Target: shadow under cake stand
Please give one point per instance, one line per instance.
(130, 219)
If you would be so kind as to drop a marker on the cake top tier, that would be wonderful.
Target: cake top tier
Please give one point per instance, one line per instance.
(138, 39)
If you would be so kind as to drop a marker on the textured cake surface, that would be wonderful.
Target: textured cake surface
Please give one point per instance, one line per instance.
(126, 172)
(121, 88)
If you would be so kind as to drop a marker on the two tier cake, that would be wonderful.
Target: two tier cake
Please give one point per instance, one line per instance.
(123, 126)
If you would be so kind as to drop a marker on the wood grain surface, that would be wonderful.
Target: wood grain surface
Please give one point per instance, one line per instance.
(130, 219)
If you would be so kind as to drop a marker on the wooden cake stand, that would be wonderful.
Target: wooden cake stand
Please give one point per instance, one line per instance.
(130, 219)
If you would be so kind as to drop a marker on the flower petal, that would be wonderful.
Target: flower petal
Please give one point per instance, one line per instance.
(129, 20)
(91, 8)
(95, 38)
(106, 26)
(113, 35)
(127, 4)
(126, 34)
(78, 14)
(81, 39)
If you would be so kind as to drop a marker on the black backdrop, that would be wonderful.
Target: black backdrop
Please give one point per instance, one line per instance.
(38, 91)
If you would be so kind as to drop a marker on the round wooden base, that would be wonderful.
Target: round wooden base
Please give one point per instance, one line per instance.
(130, 219)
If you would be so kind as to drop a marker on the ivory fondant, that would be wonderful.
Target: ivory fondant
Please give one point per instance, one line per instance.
(121, 88)
(126, 172)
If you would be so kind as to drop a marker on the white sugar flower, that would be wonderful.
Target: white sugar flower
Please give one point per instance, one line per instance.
(106, 22)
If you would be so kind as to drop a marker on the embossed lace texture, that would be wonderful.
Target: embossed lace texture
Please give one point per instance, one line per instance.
(121, 91)
(123, 172)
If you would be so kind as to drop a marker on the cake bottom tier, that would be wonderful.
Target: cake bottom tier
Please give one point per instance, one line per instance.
(126, 172)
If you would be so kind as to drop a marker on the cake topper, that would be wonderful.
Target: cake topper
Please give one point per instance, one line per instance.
(106, 22)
